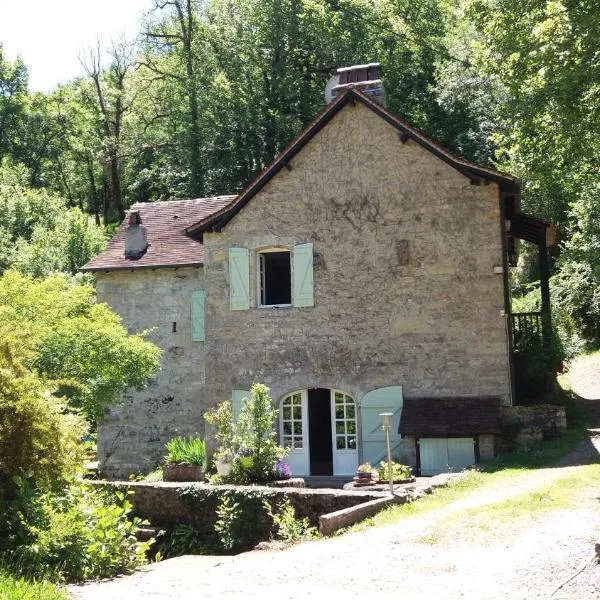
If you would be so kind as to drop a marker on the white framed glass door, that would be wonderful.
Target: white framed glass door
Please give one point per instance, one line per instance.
(293, 420)
(344, 435)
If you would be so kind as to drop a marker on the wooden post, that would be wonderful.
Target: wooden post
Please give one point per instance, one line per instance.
(545, 290)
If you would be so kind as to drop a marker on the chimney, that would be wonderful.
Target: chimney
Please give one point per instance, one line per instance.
(359, 77)
(136, 239)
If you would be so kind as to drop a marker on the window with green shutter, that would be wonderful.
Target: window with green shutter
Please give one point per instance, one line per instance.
(239, 278)
(303, 275)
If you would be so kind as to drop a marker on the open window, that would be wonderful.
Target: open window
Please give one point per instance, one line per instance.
(275, 277)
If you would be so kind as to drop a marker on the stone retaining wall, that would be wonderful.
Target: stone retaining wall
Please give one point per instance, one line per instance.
(166, 504)
(525, 426)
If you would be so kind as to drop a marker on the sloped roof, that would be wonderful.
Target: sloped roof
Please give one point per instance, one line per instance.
(474, 171)
(165, 224)
(450, 417)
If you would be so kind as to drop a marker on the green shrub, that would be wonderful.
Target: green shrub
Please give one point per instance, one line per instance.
(19, 588)
(68, 338)
(37, 434)
(289, 528)
(184, 539)
(81, 533)
(254, 437)
(399, 471)
(186, 450)
(242, 520)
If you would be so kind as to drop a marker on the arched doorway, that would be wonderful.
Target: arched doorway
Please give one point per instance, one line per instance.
(318, 426)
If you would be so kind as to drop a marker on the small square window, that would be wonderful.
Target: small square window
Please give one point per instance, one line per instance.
(275, 274)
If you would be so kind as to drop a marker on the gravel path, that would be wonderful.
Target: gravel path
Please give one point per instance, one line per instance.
(523, 561)
(526, 561)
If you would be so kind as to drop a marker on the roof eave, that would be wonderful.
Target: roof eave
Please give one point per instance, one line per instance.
(107, 269)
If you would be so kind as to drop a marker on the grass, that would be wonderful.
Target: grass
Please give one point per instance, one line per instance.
(17, 588)
(496, 473)
(495, 520)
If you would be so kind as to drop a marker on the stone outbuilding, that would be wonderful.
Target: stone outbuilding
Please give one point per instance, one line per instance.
(365, 268)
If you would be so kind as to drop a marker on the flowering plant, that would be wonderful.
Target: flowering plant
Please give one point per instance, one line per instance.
(282, 471)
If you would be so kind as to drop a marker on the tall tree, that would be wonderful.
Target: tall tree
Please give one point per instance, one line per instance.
(113, 103)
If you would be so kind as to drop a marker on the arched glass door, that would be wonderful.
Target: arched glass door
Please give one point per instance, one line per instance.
(294, 432)
(343, 424)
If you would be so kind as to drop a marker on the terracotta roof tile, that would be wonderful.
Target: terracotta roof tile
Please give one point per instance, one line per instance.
(165, 223)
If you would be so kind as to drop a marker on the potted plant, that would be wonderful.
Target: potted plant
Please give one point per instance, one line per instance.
(185, 459)
(400, 473)
(223, 460)
(364, 474)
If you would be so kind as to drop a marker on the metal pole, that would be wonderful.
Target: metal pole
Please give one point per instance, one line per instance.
(387, 425)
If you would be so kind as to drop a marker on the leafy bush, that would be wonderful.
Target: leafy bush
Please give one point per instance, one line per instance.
(289, 528)
(77, 534)
(399, 471)
(184, 539)
(242, 521)
(186, 450)
(221, 418)
(254, 437)
(39, 233)
(81, 345)
(37, 434)
(19, 588)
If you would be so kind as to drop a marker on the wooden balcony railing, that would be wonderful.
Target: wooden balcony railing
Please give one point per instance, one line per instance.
(527, 330)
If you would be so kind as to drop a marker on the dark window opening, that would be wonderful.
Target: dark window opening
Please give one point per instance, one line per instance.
(275, 278)
(174, 329)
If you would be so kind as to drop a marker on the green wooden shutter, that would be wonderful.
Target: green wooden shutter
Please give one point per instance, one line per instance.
(237, 396)
(303, 275)
(239, 278)
(387, 399)
(198, 298)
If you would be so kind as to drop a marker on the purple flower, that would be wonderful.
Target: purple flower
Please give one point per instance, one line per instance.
(283, 471)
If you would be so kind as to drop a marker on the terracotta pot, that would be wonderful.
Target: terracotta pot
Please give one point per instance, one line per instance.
(362, 477)
(223, 468)
(174, 472)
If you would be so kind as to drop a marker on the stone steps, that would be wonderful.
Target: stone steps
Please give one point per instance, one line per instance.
(326, 481)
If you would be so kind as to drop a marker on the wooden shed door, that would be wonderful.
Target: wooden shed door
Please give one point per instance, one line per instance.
(440, 455)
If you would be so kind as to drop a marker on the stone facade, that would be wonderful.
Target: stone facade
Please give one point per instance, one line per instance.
(404, 290)
(133, 433)
(404, 285)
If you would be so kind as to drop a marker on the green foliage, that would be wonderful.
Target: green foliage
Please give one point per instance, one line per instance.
(399, 471)
(221, 418)
(76, 534)
(70, 339)
(19, 588)
(289, 528)
(186, 450)
(242, 521)
(39, 233)
(365, 468)
(38, 437)
(184, 539)
(255, 436)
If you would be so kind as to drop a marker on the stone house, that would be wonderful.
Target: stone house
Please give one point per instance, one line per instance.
(364, 270)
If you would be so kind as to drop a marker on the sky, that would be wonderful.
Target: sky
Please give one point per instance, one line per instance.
(49, 34)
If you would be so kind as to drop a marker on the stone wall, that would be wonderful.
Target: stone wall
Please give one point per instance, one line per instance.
(133, 433)
(526, 426)
(168, 504)
(404, 288)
